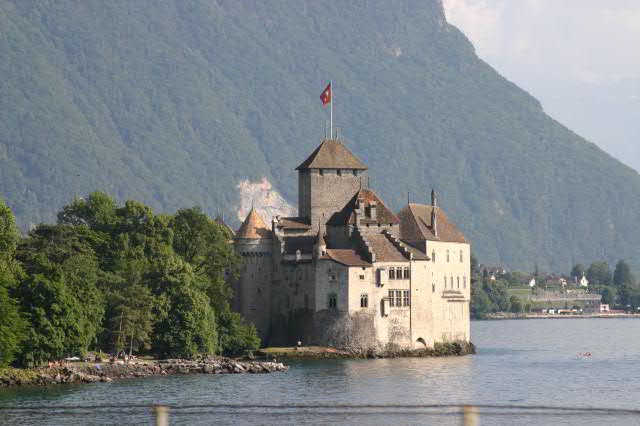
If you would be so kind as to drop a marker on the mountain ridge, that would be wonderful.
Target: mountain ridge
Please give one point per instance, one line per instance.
(174, 103)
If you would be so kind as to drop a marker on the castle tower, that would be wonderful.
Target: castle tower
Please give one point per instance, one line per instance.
(252, 291)
(327, 180)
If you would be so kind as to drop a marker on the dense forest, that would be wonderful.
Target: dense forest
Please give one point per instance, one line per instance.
(174, 102)
(117, 277)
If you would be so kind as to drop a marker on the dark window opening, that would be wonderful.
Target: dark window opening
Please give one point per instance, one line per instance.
(333, 301)
(364, 300)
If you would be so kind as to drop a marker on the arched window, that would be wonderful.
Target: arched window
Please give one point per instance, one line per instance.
(447, 256)
(445, 281)
(433, 256)
(364, 300)
(458, 280)
(433, 288)
(333, 301)
(451, 281)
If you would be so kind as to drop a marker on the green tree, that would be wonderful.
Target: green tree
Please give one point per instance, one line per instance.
(622, 275)
(480, 303)
(578, 270)
(236, 336)
(599, 274)
(498, 294)
(133, 318)
(515, 305)
(608, 295)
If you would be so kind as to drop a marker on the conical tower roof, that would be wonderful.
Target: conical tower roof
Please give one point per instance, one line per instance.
(253, 227)
(332, 154)
(320, 239)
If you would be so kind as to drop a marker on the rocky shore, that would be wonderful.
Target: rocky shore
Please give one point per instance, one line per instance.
(104, 372)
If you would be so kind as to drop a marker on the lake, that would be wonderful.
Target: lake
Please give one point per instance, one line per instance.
(519, 362)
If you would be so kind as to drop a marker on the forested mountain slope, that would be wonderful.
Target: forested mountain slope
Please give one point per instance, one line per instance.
(175, 102)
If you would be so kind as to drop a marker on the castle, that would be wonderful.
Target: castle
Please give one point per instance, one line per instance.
(349, 271)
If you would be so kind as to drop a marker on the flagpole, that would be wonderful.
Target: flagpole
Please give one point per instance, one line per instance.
(331, 110)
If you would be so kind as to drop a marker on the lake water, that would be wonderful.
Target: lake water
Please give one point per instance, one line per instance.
(526, 362)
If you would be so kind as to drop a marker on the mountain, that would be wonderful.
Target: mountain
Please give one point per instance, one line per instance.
(176, 102)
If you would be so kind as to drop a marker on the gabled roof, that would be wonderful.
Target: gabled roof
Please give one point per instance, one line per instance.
(294, 223)
(348, 213)
(253, 227)
(332, 154)
(415, 225)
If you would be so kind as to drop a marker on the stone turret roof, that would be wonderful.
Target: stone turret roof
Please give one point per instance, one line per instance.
(415, 225)
(320, 240)
(332, 154)
(348, 213)
(253, 227)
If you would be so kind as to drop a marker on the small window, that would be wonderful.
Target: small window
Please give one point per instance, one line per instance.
(464, 281)
(407, 273)
(451, 281)
(433, 287)
(406, 298)
(334, 277)
(447, 256)
(355, 173)
(333, 301)
(339, 172)
(364, 300)
(364, 268)
(461, 257)
(392, 273)
(458, 279)
(433, 256)
(445, 282)
(321, 172)
(391, 298)
(362, 277)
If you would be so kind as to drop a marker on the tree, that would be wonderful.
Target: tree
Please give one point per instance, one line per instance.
(578, 270)
(599, 274)
(498, 294)
(622, 275)
(236, 336)
(515, 304)
(480, 303)
(608, 295)
(132, 318)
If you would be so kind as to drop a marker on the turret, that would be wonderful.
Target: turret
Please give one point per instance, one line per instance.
(320, 247)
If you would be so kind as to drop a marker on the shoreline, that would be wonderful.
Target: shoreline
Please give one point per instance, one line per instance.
(327, 352)
(79, 373)
(508, 316)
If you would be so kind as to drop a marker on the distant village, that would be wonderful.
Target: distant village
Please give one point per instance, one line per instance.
(550, 294)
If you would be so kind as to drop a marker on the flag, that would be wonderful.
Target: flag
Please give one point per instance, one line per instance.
(326, 96)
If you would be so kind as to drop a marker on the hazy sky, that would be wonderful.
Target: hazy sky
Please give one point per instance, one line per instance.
(580, 58)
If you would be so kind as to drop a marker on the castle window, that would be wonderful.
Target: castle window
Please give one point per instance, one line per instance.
(392, 300)
(447, 256)
(433, 287)
(461, 257)
(433, 256)
(398, 297)
(451, 281)
(392, 273)
(406, 298)
(333, 301)
(407, 273)
(339, 172)
(445, 281)
(362, 277)
(464, 281)
(355, 173)
(321, 172)
(458, 279)
(364, 300)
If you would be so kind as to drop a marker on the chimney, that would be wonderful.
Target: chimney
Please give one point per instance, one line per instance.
(434, 223)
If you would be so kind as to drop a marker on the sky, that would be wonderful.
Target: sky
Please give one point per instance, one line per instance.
(580, 58)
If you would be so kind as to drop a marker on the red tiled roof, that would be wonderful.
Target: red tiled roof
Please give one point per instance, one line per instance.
(384, 249)
(294, 223)
(348, 216)
(346, 257)
(415, 224)
(253, 227)
(332, 154)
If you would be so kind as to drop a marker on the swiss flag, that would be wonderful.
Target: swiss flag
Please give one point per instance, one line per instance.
(326, 96)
